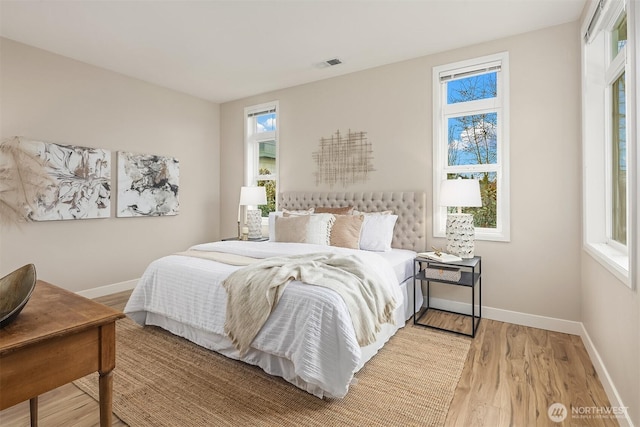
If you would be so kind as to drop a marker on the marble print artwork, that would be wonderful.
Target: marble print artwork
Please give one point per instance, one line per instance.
(147, 185)
(56, 182)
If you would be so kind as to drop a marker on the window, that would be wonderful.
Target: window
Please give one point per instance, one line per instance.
(618, 209)
(261, 151)
(470, 139)
(606, 72)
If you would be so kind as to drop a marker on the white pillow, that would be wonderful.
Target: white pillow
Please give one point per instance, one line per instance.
(299, 212)
(377, 232)
(356, 212)
(319, 228)
(272, 225)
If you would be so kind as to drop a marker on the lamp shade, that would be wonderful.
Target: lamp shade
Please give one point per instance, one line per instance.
(460, 193)
(253, 196)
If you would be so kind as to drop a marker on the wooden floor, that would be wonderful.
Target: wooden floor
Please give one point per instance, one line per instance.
(511, 377)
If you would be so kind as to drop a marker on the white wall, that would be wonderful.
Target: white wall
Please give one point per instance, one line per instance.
(538, 272)
(51, 98)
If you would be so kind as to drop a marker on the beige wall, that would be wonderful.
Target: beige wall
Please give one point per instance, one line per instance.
(610, 314)
(538, 272)
(51, 98)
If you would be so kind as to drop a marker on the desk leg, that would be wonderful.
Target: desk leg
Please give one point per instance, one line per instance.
(107, 364)
(105, 389)
(33, 411)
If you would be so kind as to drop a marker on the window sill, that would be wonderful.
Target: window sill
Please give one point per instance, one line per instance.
(480, 235)
(617, 262)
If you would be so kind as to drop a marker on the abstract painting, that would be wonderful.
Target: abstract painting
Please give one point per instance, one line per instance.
(43, 181)
(147, 185)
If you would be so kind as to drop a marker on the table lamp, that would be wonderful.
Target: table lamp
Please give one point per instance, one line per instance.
(252, 196)
(460, 229)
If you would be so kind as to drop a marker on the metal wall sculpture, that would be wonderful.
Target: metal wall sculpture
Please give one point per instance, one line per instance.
(344, 159)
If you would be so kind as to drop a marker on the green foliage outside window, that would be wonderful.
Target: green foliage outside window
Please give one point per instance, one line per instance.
(270, 188)
(486, 215)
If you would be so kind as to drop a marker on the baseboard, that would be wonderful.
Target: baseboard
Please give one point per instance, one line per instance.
(605, 379)
(114, 288)
(524, 319)
(550, 324)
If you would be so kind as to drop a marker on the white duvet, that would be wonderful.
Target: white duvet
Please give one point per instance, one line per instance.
(308, 339)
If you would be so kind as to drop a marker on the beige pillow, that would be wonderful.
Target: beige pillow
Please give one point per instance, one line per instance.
(292, 229)
(345, 210)
(346, 231)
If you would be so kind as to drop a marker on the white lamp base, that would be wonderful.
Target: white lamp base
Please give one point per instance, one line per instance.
(254, 223)
(460, 235)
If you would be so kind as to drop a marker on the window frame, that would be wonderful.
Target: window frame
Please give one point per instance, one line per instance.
(600, 69)
(252, 142)
(443, 111)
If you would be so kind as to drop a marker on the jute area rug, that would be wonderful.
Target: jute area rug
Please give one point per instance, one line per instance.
(164, 380)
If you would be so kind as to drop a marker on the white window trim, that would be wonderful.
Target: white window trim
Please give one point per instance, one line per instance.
(251, 140)
(597, 156)
(502, 232)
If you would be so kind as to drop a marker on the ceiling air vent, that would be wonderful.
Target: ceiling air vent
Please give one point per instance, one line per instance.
(328, 63)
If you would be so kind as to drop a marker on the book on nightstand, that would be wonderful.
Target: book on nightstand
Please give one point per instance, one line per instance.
(440, 256)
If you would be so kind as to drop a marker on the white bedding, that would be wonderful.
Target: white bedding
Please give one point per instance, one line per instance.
(308, 339)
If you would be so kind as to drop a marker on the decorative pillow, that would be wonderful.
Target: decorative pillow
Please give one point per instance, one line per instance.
(288, 212)
(346, 231)
(292, 229)
(377, 232)
(319, 228)
(272, 224)
(345, 210)
(357, 212)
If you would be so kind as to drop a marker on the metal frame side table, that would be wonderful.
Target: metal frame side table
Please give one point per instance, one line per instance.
(471, 277)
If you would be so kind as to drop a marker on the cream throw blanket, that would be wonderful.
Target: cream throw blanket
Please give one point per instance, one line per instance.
(254, 291)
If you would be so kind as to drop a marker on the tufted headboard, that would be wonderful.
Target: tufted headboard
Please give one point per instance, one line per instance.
(411, 208)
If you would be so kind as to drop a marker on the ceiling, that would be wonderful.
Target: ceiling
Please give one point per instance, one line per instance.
(226, 50)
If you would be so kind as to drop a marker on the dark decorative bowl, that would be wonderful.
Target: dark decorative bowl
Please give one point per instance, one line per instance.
(15, 290)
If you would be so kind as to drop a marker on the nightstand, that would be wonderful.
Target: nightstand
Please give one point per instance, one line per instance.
(470, 278)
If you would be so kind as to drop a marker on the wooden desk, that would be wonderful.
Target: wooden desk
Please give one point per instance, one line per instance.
(57, 338)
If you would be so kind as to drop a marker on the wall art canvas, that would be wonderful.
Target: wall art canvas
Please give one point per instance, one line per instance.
(147, 185)
(43, 181)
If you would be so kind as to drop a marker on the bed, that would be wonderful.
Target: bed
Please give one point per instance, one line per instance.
(309, 338)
